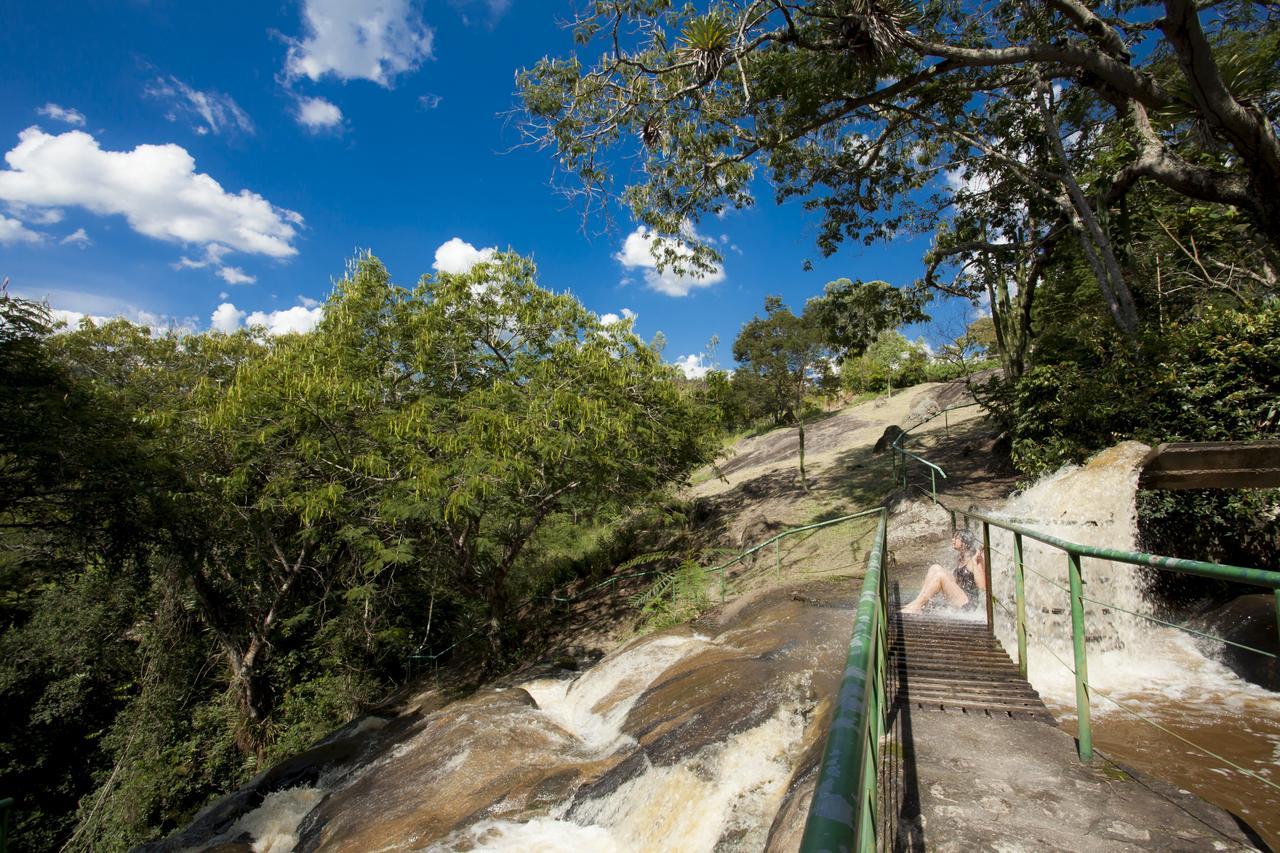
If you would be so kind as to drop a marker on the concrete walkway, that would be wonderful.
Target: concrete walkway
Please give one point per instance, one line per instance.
(954, 782)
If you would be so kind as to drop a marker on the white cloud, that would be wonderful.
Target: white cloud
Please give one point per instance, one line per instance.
(64, 114)
(288, 320)
(156, 188)
(235, 275)
(13, 231)
(458, 256)
(73, 318)
(316, 114)
(77, 237)
(211, 112)
(226, 318)
(103, 310)
(373, 40)
(429, 101)
(612, 319)
(36, 215)
(637, 253)
(693, 366)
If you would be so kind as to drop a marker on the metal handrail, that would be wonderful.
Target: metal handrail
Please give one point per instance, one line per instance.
(1075, 552)
(842, 813)
(6, 806)
(934, 470)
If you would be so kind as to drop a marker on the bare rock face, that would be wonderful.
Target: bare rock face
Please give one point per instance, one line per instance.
(1251, 621)
(617, 748)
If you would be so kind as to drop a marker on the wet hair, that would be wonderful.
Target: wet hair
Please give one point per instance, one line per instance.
(967, 539)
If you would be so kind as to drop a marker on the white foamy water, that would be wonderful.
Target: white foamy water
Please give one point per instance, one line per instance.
(1127, 656)
(726, 793)
(581, 706)
(273, 825)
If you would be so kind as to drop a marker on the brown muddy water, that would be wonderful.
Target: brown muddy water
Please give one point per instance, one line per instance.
(701, 738)
(1151, 670)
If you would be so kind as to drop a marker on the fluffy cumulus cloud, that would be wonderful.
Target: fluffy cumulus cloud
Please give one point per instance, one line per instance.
(156, 188)
(692, 366)
(458, 256)
(208, 112)
(12, 231)
(299, 319)
(317, 114)
(638, 254)
(611, 319)
(226, 318)
(374, 40)
(63, 114)
(286, 321)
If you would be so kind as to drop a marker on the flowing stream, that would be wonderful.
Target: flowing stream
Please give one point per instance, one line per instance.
(1133, 664)
(688, 740)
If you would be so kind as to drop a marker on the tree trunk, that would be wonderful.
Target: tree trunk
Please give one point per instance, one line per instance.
(804, 480)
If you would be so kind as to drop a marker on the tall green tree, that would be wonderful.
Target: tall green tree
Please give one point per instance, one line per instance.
(786, 357)
(857, 107)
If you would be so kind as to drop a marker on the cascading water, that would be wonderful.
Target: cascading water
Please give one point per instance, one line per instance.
(1148, 668)
(686, 740)
(1089, 505)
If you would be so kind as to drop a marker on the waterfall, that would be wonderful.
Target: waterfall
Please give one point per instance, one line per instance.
(1094, 504)
(593, 706)
(722, 797)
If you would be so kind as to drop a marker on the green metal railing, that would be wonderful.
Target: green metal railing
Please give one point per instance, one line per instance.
(1074, 552)
(6, 806)
(842, 813)
(902, 457)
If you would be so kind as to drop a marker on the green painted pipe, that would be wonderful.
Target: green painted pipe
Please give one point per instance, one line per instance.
(1083, 729)
(1239, 574)
(1020, 599)
(986, 574)
(6, 806)
(838, 813)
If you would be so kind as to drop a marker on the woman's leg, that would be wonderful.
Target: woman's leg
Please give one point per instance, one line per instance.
(938, 580)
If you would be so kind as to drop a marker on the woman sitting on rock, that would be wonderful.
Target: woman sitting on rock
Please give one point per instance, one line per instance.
(960, 587)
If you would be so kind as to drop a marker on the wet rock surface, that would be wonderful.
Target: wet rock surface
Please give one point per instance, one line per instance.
(1249, 620)
(621, 749)
(966, 783)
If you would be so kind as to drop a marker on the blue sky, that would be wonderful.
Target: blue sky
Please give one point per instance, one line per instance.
(180, 162)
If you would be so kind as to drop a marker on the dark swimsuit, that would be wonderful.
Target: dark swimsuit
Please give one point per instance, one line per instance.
(965, 580)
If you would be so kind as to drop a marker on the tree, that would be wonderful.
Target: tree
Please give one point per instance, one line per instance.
(856, 107)
(852, 314)
(786, 356)
(890, 357)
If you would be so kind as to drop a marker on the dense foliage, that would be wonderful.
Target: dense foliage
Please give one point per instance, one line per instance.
(1101, 179)
(217, 548)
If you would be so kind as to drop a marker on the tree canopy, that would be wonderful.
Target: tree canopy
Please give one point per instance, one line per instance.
(1050, 115)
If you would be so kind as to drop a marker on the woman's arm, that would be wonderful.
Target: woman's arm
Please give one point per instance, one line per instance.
(979, 571)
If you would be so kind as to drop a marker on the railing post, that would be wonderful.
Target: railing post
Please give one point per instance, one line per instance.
(777, 558)
(986, 571)
(1085, 733)
(6, 805)
(933, 485)
(1020, 600)
(722, 571)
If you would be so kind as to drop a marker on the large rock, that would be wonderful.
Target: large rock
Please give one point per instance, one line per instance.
(1251, 621)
